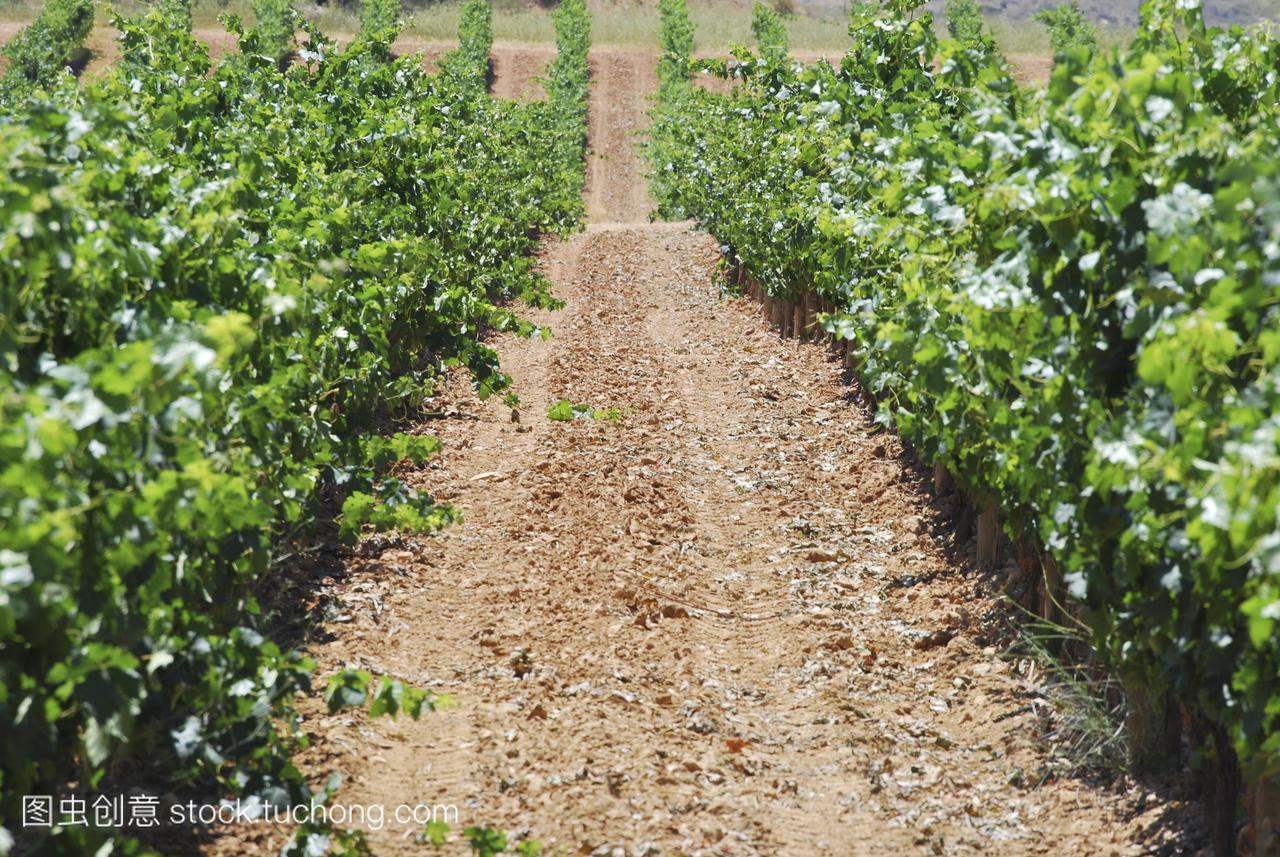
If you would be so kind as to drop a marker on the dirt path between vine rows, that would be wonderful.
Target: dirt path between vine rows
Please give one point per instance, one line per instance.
(728, 622)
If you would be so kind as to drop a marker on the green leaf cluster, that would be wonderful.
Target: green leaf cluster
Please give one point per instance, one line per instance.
(274, 23)
(677, 48)
(350, 689)
(469, 63)
(566, 108)
(483, 841)
(770, 31)
(964, 21)
(378, 17)
(43, 50)
(1068, 28)
(566, 411)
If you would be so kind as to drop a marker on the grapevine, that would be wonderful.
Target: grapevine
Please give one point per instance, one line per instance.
(1063, 297)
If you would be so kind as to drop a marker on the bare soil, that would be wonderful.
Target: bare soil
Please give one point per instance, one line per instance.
(734, 620)
(517, 68)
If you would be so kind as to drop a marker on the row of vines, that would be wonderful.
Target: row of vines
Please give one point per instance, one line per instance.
(222, 288)
(52, 42)
(1067, 298)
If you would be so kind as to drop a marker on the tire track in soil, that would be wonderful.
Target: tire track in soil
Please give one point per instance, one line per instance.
(621, 85)
(680, 632)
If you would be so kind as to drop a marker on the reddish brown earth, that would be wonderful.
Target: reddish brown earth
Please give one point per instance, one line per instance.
(516, 69)
(1031, 69)
(731, 621)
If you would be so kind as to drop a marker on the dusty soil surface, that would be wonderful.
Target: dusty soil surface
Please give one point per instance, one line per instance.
(622, 84)
(517, 69)
(731, 620)
(8, 29)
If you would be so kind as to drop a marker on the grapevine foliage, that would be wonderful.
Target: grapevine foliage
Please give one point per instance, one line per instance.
(275, 22)
(219, 284)
(469, 64)
(1067, 297)
(43, 50)
(964, 21)
(378, 16)
(677, 48)
(770, 31)
(1068, 28)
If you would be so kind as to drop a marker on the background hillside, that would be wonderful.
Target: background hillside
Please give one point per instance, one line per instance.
(1115, 12)
(818, 25)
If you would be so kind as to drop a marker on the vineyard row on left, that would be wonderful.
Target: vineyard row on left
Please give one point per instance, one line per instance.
(220, 284)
